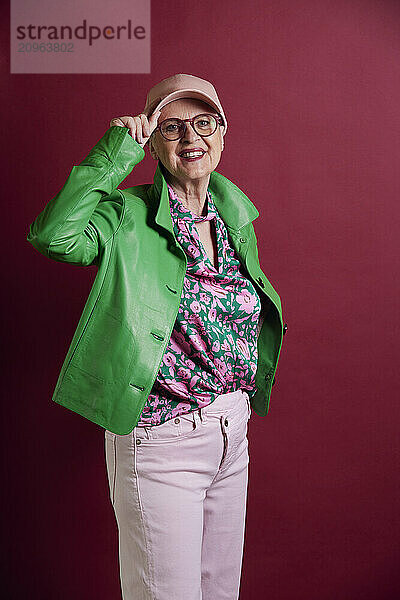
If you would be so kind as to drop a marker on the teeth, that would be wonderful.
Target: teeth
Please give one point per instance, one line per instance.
(192, 154)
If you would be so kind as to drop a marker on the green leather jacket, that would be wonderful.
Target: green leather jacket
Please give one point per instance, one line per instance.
(126, 323)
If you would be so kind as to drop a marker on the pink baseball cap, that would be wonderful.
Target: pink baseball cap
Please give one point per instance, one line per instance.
(183, 86)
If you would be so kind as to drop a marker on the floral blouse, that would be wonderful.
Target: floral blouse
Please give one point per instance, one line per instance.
(213, 346)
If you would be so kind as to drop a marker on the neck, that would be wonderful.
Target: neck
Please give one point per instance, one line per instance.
(192, 193)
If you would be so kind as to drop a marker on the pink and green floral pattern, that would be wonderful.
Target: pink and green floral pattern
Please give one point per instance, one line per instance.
(213, 345)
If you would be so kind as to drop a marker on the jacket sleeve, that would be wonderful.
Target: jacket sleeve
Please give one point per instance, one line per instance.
(84, 215)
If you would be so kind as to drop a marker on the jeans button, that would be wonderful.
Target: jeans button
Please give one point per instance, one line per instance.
(138, 442)
(177, 420)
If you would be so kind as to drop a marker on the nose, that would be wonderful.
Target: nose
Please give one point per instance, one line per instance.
(190, 133)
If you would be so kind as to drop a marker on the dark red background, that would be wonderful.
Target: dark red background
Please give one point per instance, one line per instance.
(311, 89)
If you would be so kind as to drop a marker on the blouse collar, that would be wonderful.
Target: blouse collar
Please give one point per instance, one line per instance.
(180, 211)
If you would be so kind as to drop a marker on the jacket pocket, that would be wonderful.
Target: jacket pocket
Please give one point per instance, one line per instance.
(105, 350)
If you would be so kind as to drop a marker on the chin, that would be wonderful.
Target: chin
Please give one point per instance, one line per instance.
(197, 173)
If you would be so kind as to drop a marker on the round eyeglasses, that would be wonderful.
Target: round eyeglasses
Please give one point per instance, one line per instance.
(204, 124)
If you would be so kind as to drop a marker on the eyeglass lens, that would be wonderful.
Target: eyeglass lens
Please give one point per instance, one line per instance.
(204, 125)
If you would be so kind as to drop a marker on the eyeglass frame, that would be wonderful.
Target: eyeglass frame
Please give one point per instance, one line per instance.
(217, 117)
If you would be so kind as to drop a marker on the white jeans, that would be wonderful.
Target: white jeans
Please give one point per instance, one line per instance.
(179, 492)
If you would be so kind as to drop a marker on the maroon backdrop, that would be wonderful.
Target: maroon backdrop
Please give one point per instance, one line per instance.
(311, 89)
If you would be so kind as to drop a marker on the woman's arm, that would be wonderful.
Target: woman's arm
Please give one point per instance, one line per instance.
(85, 213)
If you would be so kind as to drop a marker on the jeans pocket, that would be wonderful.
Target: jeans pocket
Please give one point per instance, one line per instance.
(171, 430)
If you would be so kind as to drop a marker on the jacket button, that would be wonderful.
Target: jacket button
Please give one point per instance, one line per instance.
(268, 377)
(260, 282)
(242, 240)
(285, 328)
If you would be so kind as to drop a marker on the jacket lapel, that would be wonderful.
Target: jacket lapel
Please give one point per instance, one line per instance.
(236, 210)
(233, 205)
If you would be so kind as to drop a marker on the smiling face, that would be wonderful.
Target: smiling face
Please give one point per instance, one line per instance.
(168, 151)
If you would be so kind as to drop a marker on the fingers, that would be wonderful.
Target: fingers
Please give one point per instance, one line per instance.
(140, 127)
(154, 118)
(117, 121)
(145, 126)
(131, 123)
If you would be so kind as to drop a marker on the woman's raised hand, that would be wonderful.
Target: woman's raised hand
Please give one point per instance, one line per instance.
(140, 127)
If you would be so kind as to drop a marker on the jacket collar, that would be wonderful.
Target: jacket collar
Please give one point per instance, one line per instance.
(233, 205)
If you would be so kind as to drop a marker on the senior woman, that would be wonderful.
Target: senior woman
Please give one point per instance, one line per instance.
(178, 341)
